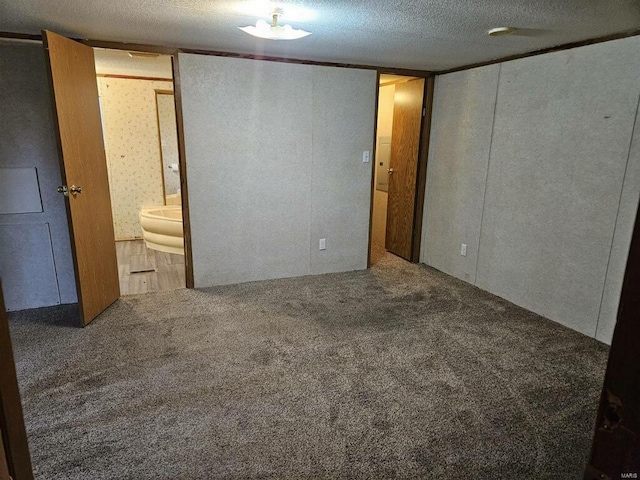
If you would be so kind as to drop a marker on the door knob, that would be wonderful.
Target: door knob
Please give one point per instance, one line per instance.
(63, 190)
(75, 190)
(390, 170)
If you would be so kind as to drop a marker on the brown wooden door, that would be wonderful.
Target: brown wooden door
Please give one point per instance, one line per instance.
(403, 168)
(83, 164)
(615, 452)
(14, 450)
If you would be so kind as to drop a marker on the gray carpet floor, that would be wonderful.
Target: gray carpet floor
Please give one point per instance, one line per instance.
(395, 372)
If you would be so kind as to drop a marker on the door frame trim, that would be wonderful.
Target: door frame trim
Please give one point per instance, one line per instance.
(182, 164)
(423, 157)
(610, 447)
(421, 174)
(373, 167)
(186, 224)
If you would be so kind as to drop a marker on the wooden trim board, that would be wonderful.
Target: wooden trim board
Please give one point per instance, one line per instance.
(4, 462)
(134, 77)
(27, 37)
(615, 449)
(267, 58)
(421, 176)
(184, 189)
(399, 71)
(373, 168)
(138, 47)
(12, 427)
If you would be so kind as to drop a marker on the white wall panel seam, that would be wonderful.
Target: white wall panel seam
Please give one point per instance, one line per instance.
(311, 185)
(613, 234)
(486, 180)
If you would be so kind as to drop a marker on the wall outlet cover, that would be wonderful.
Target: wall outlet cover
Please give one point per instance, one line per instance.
(323, 244)
(463, 249)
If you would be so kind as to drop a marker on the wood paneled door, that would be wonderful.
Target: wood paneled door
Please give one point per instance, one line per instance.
(14, 450)
(84, 172)
(403, 167)
(615, 452)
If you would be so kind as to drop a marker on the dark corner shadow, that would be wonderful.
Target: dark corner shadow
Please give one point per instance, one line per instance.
(64, 316)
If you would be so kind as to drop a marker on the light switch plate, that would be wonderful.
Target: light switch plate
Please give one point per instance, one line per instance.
(366, 155)
(323, 244)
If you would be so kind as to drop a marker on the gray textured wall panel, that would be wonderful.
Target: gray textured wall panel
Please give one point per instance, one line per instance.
(560, 145)
(458, 156)
(28, 274)
(274, 161)
(19, 191)
(27, 139)
(343, 124)
(621, 240)
(248, 149)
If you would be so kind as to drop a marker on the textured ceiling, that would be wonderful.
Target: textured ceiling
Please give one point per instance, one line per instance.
(419, 34)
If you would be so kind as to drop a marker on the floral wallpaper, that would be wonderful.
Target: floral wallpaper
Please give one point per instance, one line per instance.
(169, 141)
(132, 148)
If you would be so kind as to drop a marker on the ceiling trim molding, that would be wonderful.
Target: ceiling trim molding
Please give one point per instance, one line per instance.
(174, 50)
(249, 56)
(564, 46)
(136, 47)
(29, 37)
(391, 70)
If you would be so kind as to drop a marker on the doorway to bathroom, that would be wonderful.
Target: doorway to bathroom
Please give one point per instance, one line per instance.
(137, 107)
(396, 209)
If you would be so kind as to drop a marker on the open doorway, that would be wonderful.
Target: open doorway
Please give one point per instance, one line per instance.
(137, 107)
(399, 125)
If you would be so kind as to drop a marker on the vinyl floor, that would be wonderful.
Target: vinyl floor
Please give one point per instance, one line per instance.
(144, 270)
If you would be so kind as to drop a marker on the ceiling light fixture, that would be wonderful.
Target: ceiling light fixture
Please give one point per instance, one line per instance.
(500, 31)
(274, 31)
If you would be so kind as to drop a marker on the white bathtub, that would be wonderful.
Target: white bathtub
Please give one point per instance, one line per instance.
(162, 228)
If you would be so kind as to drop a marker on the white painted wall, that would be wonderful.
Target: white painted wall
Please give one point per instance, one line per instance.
(463, 107)
(534, 164)
(274, 163)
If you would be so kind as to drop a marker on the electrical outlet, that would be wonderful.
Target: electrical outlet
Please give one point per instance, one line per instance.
(463, 249)
(323, 244)
(365, 156)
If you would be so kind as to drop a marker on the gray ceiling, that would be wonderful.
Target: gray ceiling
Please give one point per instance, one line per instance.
(418, 34)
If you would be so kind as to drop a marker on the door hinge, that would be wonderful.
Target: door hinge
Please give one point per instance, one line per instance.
(424, 112)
